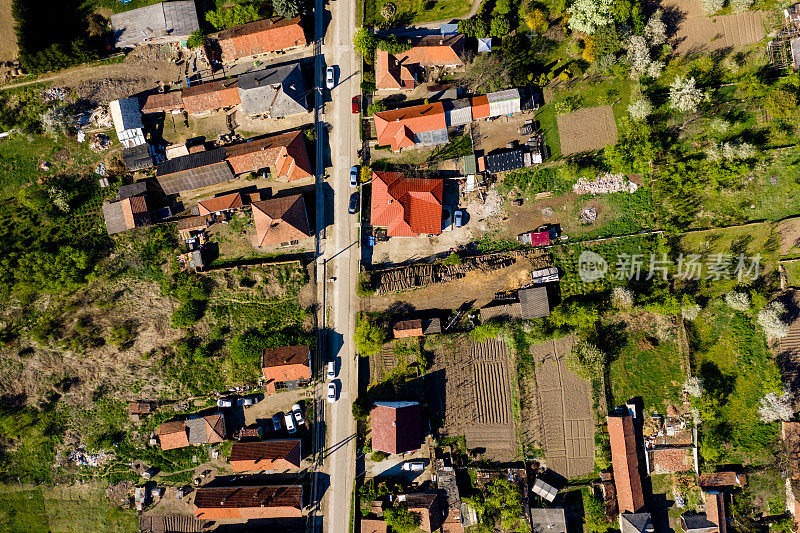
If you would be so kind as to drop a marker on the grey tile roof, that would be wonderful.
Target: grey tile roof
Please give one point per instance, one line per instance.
(167, 20)
(137, 158)
(194, 171)
(534, 302)
(697, 523)
(134, 189)
(431, 138)
(115, 219)
(197, 430)
(636, 523)
(277, 92)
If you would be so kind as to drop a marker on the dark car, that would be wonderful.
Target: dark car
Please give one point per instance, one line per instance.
(356, 105)
(353, 207)
(276, 422)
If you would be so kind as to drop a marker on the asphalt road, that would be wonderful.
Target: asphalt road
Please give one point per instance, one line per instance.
(340, 256)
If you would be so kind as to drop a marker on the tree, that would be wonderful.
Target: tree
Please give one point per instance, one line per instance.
(393, 45)
(225, 17)
(712, 6)
(589, 50)
(640, 109)
(776, 406)
(365, 42)
(595, 514)
(589, 15)
(400, 519)
(738, 301)
(536, 20)
(502, 7)
(196, 40)
(781, 103)
(621, 298)
(500, 27)
(56, 120)
(369, 337)
(486, 73)
(473, 27)
(640, 60)
(770, 320)
(694, 387)
(741, 6)
(655, 31)
(187, 314)
(376, 107)
(288, 8)
(683, 95)
(59, 198)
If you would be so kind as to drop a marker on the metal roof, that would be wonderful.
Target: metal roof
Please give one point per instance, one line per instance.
(457, 112)
(500, 96)
(134, 189)
(433, 137)
(194, 171)
(191, 161)
(544, 489)
(505, 161)
(549, 520)
(535, 303)
(137, 157)
(470, 164)
(484, 44)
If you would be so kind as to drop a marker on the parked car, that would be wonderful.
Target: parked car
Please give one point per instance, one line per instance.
(356, 104)
(331, 392)
(458, 218)
(331, 369)
(276, 422)
(353, 207)
(354, 176)
(413, 466)
(224, 402)
(297, 411)
(329, 78)
(290, 427)
(247, 402)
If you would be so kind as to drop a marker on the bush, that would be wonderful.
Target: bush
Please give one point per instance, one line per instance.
(453, 259)
(196, 40)
(376, 107)
(400, 519)
(225, 17)
(188, 313)
(379, 456)
(369, 337)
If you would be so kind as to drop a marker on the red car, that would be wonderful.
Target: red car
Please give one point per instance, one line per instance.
(355, 104)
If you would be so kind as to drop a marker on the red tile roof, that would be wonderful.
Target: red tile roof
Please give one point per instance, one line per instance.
(220, 203)
(480, 107)
(396, 128)
(260, 37)
(248, 503)
(625, 460)
(390, 74)
(396, 426)
(407, 206)
(722, 479)
(279, 220)
(435, 50)
(173, 435)
(373, 526)
(134, 212)
(163, 102)
(715, 509)
(284, 153)
(669, 460)
(286, 363)
(211, 96)
(265, 455)
(408, 328)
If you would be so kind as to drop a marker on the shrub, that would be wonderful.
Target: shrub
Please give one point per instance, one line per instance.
(225, 17)
(400, 519)
(622, 298)
(452, 259)
(187, 314)
(196, 40)
(369, 337)
(587, 361)
(379, 456)
(376, 107)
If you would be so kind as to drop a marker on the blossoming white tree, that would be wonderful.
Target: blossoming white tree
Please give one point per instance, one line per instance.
(776, 406)
(589, 15)
(640, 109)
(770, 320)
(684, 95)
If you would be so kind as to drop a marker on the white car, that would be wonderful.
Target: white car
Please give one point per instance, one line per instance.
(223, 402)
(331, 392)
(290, 427)
(297, 411)
(331, 369)
(414, 466)
(458, 218)
(329, 78)
(354, 176)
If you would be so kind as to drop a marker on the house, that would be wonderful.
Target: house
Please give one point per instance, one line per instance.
(406, 207)
(396, 426)
(189, 225)
(127, 121)
(722, 479)
(636, 523)
(284, 154)
(220, 204)
(287, 367)
(666, 460)
(390, 74)
(193, 171)
(697, 523)
(422, 125)
(416, 328)
(548, 520)
(529, 303)
(434, 51)
(625, 462)
(137, 158)
(249, 502)
(280, 455)
(448, 486)
(373, 526)
(261, 37)
(169, 102)
(426, 506)
(713, 520)
(126, 214)
(274, 92)
(211, 96)
(206, 429)
(165, 22)
(282, 220)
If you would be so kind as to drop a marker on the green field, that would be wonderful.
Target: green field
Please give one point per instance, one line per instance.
(411, 11)
(648, 368)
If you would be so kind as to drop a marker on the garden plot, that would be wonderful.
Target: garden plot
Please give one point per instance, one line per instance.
(787, 349)
(587, 129)
(696, 32)
(470, 386)
(561, 411)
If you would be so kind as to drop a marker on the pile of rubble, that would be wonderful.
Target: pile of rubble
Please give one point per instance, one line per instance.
(101, 118)
(53, 93)
(100, 143)
(81, 457)
(588, 215)
(605, 184)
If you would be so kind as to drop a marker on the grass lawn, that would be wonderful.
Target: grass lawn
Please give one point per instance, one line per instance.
(117, 7)
(546, 115)
(647, 368)
(57, 509)
(410, 11)
(792, 272)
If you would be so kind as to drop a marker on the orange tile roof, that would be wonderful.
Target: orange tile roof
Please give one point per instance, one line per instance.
(715, 509)
(173, 435)
(266, 455)
(285, 153)
(211, 96)
(261, 36)
(220, 203)
(396, 426)
(215, 428)
(163, 102)
(407, 328)
(280, 220)
(722, 479)
(668, 460)
(435, 50)
(625, 461)
(480, 107)
(397, 128)
(407, 206)
(248, 503)
(390, 74)
(373, 526)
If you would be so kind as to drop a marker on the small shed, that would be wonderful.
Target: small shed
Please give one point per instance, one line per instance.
(407, 328)
(544, 490)
(457, 112)
(470, 163)
(484, 45)
(534, 302)
(127, 118)
(137, 158)
(448, 28)
(504, 102)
